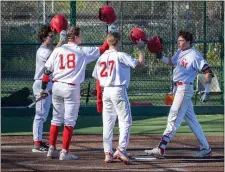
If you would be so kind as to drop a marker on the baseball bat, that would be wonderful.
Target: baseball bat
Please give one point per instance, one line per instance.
(39, 99)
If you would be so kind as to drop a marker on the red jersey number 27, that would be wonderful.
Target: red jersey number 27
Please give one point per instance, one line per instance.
(70, 61)
(104, 72)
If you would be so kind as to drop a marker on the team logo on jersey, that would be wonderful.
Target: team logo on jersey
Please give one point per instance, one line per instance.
(184, 62)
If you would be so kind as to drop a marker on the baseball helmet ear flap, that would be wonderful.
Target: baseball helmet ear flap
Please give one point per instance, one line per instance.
(58, 23)
(137, 34)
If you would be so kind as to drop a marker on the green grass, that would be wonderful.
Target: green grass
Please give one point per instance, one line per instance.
(213, 125)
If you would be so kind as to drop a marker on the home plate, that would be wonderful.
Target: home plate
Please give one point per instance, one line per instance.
(143, 158)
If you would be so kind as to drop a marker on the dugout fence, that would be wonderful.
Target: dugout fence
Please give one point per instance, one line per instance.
(21, 21)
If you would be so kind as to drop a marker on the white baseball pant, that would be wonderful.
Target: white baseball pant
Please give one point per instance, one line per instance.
(116, 103)
(66, 104)
(41, 110)
(182, 108)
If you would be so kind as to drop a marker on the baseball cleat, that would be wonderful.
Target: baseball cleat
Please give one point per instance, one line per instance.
(52, 152)
(108, 157)
(67, 156)
(156, 152)
(122, 156)
(42, 148)
(204, 153)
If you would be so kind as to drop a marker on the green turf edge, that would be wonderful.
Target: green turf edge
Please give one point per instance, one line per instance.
(213, 125)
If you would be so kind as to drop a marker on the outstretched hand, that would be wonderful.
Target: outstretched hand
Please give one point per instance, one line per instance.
(140, 44)
(63, 35)
(112, 28)
(44, 93)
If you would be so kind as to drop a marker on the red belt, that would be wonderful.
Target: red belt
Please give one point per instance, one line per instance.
(64, 82)
(181, 83)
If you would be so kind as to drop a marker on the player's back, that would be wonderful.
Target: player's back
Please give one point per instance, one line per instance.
(113, 68)
(69, 61)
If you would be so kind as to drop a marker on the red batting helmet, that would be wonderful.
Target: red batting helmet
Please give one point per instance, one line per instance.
(107, 14)
(137, 34)
(155, 44)
(58, 23)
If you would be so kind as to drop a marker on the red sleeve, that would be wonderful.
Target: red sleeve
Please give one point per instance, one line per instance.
(99, 103)
(104, 47)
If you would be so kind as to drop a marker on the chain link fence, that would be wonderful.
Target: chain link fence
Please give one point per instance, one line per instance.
(21, 22)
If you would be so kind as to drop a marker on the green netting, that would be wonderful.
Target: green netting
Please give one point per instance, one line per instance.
(22, 20)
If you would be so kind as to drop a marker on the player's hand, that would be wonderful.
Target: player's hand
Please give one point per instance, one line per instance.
(159, 55)
(140, 44)
(204, 96)
(63, 35)
(112, 28)
(44, 93)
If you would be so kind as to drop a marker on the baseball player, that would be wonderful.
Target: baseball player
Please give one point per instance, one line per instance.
(187, 61)
(46, 37)
(113, 72)
(67, 64)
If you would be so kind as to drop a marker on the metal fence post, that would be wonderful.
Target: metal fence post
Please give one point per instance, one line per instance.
(72, 13)
(121, 14)
(173, 36)
(44, 15)
(205, 45)
(222, 54)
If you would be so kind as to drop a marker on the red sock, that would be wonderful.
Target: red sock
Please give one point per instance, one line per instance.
(37, 143)
(67, 136)
(53, 133)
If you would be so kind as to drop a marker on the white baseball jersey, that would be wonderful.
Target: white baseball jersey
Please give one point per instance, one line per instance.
(42, 56)
(113, 68)
(187, 63)
(68, 62)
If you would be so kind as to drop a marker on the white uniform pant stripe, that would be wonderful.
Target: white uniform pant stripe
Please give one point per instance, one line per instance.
(195, 126)
(177, 112)
(41, 110)
(116, 103)
(124, 138)
(109, 118)
(182, 108)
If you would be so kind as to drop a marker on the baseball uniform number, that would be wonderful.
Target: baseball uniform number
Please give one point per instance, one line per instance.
(70, 61)
(104, 72)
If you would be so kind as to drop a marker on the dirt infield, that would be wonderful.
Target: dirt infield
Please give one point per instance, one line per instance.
(16, 155)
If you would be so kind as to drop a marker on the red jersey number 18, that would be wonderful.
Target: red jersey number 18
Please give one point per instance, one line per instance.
(70, 61)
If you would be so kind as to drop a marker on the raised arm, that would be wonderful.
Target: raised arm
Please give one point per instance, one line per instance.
(62, 38)
(141, 55)
(155, 45)
(169, 61)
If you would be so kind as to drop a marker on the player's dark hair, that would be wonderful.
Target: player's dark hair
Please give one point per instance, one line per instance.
(43, 33)
(113, 38)
(72, 31)
(186, 35)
